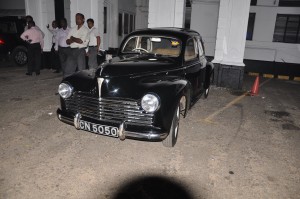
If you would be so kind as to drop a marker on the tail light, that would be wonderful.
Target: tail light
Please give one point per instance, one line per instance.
(1, 42)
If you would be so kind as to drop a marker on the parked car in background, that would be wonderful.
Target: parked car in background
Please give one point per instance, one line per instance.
(142, 93)
(11, 45)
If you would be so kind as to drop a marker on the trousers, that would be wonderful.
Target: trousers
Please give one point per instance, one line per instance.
(75, 61)
(93, 57)
(34, 58)
(63, 53)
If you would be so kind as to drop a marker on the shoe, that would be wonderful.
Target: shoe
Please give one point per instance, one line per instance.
(37, 73)
(29, 74)
(56, 71)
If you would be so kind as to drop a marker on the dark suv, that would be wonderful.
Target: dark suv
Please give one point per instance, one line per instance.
(11, 45)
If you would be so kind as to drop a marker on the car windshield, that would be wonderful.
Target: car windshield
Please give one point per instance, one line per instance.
(159, 45)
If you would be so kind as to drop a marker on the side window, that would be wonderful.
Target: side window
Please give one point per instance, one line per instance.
(190, 50)
(130, 45)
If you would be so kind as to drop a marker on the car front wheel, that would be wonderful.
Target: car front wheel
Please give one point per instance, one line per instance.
(19, 55)
(171, 140)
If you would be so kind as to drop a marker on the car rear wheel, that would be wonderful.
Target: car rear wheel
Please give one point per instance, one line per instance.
(171, 140)
(206, 91)
(19, 55)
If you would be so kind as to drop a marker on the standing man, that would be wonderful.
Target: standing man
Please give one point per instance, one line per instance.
(36, 43)
(28, 19)
(54, 56)
(61, 47)
(78, 40)
(94, 44)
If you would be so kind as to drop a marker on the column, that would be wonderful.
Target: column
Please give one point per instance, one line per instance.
(43, 13)
(230, 43)
(167, 13)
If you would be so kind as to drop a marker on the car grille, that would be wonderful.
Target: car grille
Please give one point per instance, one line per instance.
(109, 110)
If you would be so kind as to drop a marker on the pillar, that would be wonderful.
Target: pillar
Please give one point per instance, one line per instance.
(230, 43)
(167, 13)
(43, 13)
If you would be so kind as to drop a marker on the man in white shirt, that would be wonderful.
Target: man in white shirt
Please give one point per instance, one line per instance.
(61, 47)
(54, 56)
(78, 40)
(94, 44)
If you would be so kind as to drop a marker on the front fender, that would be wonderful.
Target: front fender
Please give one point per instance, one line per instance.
(170, 90)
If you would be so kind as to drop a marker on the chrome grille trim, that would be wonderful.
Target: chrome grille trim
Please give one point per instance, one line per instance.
(109, 110)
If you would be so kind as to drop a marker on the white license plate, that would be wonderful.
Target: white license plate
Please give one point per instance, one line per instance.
(99, 129)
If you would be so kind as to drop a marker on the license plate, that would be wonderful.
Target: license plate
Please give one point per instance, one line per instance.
(99, 129)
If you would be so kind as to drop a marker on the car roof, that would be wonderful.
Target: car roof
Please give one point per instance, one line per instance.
(181, 33)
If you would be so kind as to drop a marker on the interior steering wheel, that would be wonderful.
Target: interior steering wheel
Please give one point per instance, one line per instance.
(136, 49)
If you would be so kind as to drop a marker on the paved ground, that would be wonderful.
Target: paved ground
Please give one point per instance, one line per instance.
(249, 149)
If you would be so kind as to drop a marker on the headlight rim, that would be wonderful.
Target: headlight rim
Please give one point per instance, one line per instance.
(158, 100)
(71, 89)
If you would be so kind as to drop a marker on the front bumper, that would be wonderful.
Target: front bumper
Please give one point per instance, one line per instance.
(137, 132)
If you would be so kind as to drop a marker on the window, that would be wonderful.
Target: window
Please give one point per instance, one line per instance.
(126, 23)
(105, 19)
(120, 24)
(287, 29)
(253, 2)
(159, 45)
(131, 27)
(250, 28)
(289, 3)
(190, 52)
(8, 27)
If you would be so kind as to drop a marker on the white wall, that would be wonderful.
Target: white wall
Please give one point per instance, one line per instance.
(262, 46)
(166, 13)
(43, 13)
(142, 9)
(204, 19)
(127, 5)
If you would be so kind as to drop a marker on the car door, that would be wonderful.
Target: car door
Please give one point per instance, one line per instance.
(193, 66)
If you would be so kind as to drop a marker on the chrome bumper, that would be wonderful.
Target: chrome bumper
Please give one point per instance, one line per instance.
(123, 134)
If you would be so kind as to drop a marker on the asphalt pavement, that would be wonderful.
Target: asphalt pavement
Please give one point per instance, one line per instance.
(231, 145)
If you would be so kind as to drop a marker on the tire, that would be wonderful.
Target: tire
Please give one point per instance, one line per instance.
(19, 55)
(207, 89)
(171, 140)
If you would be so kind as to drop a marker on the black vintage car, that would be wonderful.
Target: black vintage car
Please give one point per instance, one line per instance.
(142, 93)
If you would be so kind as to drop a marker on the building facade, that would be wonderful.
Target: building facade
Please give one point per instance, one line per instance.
(240, 35)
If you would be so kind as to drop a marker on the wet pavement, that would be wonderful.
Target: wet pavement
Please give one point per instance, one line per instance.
(229, 146)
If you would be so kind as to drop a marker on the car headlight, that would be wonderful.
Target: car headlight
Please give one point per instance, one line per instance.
(65, 90)
(150, 103)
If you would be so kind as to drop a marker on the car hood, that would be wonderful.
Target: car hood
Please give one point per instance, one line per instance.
(132, 65)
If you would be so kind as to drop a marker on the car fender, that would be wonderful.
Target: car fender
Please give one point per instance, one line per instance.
(169, 89)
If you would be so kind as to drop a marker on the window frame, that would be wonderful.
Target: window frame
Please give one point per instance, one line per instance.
(284, 37)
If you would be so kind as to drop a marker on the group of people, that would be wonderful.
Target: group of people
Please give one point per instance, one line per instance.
(70, 46)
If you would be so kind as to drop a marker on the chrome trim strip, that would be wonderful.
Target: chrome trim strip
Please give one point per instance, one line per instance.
(130, 134)
(100, 82)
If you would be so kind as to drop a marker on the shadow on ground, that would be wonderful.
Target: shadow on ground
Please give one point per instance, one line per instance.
(152, 187)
